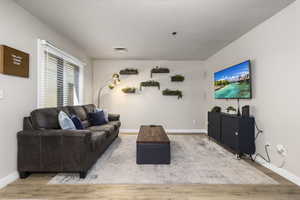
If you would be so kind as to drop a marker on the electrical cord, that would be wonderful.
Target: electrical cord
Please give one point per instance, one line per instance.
(268, 160)
(260, 131)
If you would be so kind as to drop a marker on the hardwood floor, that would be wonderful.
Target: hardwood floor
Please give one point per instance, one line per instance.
(35, 187)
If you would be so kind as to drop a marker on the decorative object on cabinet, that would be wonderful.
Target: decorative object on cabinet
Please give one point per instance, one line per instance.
(168, 92)
(216, 109)
(231, 110)
(177, 78)
(110, 83)
(157, 70)
(150, 83)
(129, 71)
(129, 90)
(246, 111)
(14, 62)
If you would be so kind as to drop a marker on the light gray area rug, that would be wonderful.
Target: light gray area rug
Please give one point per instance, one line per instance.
(194, 159)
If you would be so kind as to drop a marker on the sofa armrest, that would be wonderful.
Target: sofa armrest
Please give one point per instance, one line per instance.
(113, 117)
(52, 150)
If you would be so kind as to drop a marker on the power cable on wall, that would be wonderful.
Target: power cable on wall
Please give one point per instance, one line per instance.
(268, 160)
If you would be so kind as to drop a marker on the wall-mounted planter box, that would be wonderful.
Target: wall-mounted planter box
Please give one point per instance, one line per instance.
(129, 90)
(168, 92)
(129, 71)
(150, 84)
(157, 70)
(177, 78)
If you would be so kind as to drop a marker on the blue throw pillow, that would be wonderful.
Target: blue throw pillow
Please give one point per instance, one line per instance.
(77, 122)
(97, 118)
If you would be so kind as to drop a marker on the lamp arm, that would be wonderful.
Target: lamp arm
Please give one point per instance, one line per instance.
(106, 83)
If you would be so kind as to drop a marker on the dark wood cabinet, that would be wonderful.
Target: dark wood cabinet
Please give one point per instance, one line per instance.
(214, 125)
(235, 132)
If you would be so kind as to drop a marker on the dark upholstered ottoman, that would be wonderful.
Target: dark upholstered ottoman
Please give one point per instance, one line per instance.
(152, 146)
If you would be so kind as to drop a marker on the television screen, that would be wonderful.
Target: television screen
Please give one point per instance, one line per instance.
(234, 82)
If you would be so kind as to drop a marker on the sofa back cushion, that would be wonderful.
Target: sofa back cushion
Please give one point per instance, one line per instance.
(45, 118)
(81, 113)
(90, 108)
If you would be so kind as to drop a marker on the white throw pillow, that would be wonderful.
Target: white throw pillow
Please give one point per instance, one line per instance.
(105, 113)
(65, 122)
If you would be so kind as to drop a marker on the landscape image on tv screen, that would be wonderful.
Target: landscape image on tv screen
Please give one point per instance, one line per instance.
(233, 82)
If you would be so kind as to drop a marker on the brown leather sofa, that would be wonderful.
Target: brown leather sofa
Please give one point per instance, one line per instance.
(44, 147)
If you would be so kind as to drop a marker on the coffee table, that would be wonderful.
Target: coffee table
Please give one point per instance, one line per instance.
(152, 146)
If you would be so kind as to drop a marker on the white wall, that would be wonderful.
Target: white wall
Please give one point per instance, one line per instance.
(274, 49)
(149, 106)
(21, 30)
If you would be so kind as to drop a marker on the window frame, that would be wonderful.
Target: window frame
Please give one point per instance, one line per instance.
(43, 46)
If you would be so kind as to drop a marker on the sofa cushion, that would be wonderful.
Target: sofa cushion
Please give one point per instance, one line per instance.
(79, 111)
(65, 109)
(97, 138)
(107, 128)
(89, 108)
(45, 118)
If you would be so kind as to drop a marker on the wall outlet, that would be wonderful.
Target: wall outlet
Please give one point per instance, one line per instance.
(281, 150)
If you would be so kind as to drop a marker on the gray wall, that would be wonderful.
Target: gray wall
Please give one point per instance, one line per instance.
(149, 106)
(21, 30)
(274, 49)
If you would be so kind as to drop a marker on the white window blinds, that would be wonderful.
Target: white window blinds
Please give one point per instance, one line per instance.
(59, 80)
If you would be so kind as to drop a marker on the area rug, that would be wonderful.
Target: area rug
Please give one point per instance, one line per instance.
(194, 159)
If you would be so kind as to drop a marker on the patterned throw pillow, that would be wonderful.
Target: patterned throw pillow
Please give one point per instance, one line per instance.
(65, 122)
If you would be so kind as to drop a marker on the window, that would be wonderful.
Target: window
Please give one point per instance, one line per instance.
(60, 77)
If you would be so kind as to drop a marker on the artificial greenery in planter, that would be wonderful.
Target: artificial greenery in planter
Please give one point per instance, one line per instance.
(177, 78)
(111, 86)
(129, 71)
(150, 84)
(129, 90)
(168, 92)
(159, 70)
(231, 110)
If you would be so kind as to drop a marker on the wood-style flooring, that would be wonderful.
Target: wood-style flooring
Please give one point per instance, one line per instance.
(35, 187)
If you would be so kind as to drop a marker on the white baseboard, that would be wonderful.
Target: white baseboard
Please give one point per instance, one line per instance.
(168, 131)
(282, 172)
(8, 179)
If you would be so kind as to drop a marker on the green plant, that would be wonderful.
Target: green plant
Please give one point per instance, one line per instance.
(177, 78)
(216, 109)
(150, 84)
(111, 86)
(129, 90)
(230, 108)
(159, 70)
(129, 71)
(168, 92)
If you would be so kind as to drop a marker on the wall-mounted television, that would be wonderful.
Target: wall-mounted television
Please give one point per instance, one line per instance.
(234, 82)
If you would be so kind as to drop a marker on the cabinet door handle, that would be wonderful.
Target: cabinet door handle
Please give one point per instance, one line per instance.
(236, 133)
